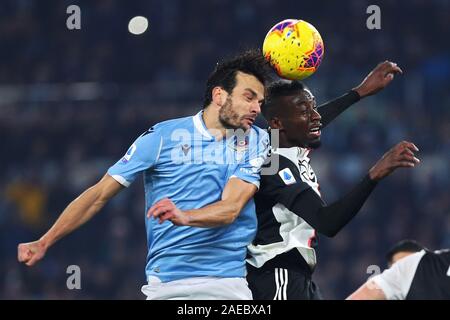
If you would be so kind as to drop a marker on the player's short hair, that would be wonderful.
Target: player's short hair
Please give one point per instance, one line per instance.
(404, 246)
(275, 91)
(224, 75)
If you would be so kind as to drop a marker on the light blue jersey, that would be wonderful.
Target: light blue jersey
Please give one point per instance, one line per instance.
(182, 161)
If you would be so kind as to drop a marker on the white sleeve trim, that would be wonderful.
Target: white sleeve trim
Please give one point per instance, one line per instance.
(159, 150)
(256, 183)
(121, 180)
(395, 282)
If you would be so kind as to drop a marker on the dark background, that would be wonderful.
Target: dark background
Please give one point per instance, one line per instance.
(71, 103)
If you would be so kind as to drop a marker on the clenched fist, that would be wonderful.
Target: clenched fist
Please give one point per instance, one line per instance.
(31, 252)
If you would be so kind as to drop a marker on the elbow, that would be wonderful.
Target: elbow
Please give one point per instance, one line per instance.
(97, 196)
(326, 227)
(228, 221)
(328, 232)
(234, 212)
(223, 222)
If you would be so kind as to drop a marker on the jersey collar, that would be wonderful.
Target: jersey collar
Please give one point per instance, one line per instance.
(199, 124)
(294, 154)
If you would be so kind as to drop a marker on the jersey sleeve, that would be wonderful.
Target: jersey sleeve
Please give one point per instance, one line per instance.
(142, 155)
(249, 170)
(395, 282)
(331, 109)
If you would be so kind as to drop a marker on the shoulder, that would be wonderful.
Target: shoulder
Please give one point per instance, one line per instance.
(172, 124)
(281, 161)
(159, 132)
(396, 281)
(443, 252)
(260, 134)
(407, 266)
(410, 262)
(439, 256)
(259, 140)
(285, 172)
(162, 131)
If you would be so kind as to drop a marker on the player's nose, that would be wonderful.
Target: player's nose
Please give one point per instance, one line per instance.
(255, 107)
(315, 115)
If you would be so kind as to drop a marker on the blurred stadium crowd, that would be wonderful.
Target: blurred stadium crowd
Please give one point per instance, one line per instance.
(71, 102)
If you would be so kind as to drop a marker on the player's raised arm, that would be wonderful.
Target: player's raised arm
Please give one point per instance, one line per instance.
(375, 81)
(142, 154)
(76, 214)
(234, 197)
(330, 219)
(378, 78)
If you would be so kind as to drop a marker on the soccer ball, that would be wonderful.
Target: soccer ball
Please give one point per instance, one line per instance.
(294, 48)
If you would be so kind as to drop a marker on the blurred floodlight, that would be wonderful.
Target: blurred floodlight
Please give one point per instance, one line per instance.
(138, 25)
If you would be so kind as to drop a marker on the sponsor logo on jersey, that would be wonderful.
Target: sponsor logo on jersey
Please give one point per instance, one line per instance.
(240, 146)
(129, 153)
(306, 171)
(185, 148)
(147, 132)
(246, 171)
(287, 176)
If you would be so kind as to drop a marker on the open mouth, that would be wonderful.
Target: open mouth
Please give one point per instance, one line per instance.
(315, 131)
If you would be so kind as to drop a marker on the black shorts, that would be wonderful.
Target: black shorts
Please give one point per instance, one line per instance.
(281, 284)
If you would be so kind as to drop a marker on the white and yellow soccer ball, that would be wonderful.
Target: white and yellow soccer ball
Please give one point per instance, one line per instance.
(294, 48)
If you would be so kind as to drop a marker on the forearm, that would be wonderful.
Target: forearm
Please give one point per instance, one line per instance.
(335, 216)
(235, 196)
(76, 214)
(329, 220)
(214, 215)
(331, 109)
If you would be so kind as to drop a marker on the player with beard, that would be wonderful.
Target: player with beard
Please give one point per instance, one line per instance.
(213, 198)
(289, 206)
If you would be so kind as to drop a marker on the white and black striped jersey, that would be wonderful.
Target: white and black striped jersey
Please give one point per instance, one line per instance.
(280, 229)
(290, 209)
(419, 276)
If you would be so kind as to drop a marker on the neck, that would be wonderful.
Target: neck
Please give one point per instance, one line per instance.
(285, 143)
(212, 123)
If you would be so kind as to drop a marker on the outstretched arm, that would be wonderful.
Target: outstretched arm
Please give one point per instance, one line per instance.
(234, 197)
(375, 81)
(368, 291)
(76, 214)
(329, 220)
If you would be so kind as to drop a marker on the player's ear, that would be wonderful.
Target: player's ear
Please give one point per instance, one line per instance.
(219, 96)
(276, 123)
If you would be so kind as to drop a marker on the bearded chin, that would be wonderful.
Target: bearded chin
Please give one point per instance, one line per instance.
(225, 122)
(314, 144)
(226, 115)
